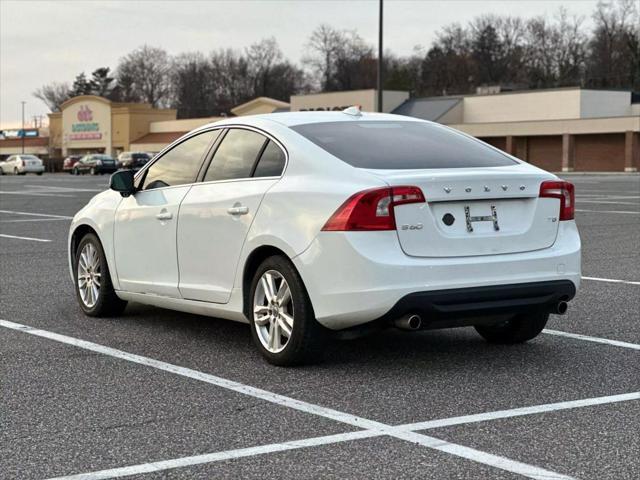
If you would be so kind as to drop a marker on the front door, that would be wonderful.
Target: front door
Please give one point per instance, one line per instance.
(146, 223)
(216, 214)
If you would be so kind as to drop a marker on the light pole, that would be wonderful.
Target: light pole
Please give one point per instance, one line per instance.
(23, 102)
(379, 79)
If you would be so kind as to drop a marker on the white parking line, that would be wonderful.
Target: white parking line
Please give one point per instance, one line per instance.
(608, 211)
(609, 202)
(35, 220)
(24, 238)
(219, 456)
(36, 194)
(523, 411)
(67, 189)
(611, 280)
(32, 214)
(478, 456)
(587, 338)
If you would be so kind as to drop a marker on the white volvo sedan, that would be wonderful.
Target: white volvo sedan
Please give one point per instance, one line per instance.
(315, 225)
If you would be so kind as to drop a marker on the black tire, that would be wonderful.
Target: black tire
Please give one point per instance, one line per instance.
(39, 173)
(108, 303)
(308, 337)
(519, 329)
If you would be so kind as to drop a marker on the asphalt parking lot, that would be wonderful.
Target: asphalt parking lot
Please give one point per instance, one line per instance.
(156, 394)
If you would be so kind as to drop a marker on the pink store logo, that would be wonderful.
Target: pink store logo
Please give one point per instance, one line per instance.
(85, 114)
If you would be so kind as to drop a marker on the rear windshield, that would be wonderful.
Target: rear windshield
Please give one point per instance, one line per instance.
(400, 145)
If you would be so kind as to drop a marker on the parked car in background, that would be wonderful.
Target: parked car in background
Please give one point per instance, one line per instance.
(21, 165)
(133, 160)
(95, 164)
(308, 223)
(70, 162)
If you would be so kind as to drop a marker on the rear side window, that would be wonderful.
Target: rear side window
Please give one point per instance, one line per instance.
(179, 165)
(235, 156)
(400, 145)
(271, 161)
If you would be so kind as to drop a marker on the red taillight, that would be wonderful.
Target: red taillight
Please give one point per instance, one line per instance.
(564, 191)
(372, 209)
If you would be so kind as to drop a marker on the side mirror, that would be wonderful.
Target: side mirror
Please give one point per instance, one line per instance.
(122, 181)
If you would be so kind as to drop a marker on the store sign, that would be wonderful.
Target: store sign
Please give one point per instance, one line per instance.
(86, 128)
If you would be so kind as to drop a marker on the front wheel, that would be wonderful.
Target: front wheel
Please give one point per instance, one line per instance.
(94, 290)
(283, 325)
(519, 329)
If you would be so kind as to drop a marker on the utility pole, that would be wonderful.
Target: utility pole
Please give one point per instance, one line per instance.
(379, 82)
(23, 102)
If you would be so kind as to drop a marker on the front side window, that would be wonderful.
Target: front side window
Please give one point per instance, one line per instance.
(179, 165)
(236, 155)
(271, 161)
(401, 145)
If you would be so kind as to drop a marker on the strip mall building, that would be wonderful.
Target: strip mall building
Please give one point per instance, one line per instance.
(568, 129)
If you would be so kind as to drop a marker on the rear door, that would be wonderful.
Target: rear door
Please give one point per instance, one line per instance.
(146, 223)
(217, 213)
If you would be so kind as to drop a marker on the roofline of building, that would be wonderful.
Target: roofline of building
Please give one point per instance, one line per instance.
(269, 100)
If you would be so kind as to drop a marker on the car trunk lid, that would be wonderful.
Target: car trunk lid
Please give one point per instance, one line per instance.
(484, 211)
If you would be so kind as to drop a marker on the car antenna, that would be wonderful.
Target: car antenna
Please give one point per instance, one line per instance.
(353, 111)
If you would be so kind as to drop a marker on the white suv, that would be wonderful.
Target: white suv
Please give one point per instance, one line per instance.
(308, 225)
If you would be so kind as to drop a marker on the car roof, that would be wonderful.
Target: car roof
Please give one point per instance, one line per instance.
(290, 119)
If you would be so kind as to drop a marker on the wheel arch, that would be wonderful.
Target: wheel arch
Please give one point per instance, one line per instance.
(76, 236)
(253, 261)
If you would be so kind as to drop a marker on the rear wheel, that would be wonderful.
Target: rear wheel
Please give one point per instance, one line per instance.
(283, 324)
(519, 329)
(94, 290)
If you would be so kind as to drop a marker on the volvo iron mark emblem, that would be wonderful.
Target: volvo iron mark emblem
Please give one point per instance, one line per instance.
(486, 218)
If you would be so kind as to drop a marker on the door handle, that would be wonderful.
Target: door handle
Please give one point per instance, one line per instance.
(164, 215)
(238, 210)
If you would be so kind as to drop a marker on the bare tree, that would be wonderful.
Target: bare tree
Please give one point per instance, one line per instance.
(614, 59)
(341, 58)
(53, 95)
(146, 72)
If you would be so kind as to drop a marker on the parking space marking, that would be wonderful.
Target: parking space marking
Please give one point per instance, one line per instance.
(610, 202)
(519, 412)
(36, 194)
(220, 456)
(35, 220)
(331, 414)
(608, 211)
(610, 280)
(31, 239)
(67, 189)
(346, 437)
(32, 214)
(606, 341)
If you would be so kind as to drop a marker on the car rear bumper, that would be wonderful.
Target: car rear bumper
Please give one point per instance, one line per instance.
(31, 169)
(357, 277)
(468, 306)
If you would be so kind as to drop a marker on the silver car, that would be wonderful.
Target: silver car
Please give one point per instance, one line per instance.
(21, 165)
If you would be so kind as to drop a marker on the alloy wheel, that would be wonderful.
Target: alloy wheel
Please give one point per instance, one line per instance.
(273, 311)
(89, 275)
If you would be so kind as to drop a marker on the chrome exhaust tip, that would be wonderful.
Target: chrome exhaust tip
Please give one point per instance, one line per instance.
(562, 308)
(408, 322)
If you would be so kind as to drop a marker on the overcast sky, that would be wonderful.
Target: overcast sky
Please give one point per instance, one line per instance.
(44, 41)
